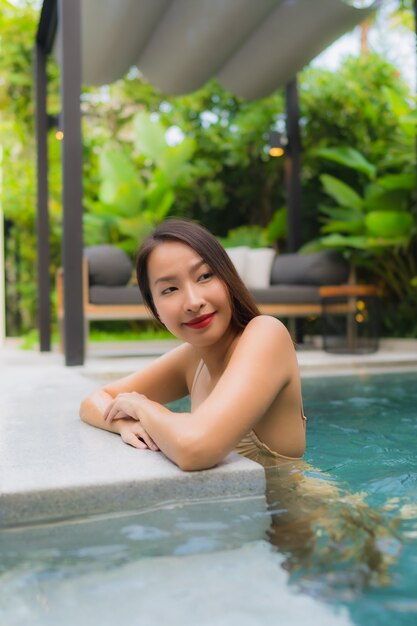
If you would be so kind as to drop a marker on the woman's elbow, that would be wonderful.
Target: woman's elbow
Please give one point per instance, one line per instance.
(192, 463)
(84, 406)
(89, 408)
(194, 455)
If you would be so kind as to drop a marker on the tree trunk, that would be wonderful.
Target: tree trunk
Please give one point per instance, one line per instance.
(364, 36)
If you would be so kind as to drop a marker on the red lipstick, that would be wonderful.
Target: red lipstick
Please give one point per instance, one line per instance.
(200, 322)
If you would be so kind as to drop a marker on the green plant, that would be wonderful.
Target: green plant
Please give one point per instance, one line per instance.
(252, 236)
(135, 195)
(374, 228)
(256, 236)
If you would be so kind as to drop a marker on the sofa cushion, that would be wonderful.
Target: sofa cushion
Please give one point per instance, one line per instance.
(108, 265)
(258, 267)
(287, 294)
(129, 294)
(238, 256)
(327, 267)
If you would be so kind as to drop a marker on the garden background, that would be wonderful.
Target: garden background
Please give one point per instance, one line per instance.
(205, 156)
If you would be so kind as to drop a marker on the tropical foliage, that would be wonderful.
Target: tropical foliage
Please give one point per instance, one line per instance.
(372, 219)
(134, 196)
(204, 156)
(375, 229)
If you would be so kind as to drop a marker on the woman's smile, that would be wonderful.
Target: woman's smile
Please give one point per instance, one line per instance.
(202, 321)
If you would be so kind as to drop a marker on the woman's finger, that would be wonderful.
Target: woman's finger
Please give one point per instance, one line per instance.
(141, 432)
(150, 442)
(107, 411)
(112, 410)
(119, 415)
(132, 440)
(110, 415)
(116, 413)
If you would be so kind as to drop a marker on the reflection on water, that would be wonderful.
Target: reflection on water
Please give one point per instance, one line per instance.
(335, 544)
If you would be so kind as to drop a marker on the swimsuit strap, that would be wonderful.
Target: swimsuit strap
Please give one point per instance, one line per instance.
(196, 375)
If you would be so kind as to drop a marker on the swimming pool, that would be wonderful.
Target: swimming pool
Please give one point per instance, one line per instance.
(236, 561)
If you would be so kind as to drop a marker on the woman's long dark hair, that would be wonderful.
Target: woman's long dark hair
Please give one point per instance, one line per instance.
(210, 250)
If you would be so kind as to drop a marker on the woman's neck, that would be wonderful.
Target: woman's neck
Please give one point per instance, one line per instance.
(217, 356)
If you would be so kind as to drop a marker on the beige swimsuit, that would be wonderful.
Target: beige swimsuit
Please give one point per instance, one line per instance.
(250, 446)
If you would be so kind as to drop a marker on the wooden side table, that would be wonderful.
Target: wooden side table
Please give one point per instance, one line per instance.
(350, 318)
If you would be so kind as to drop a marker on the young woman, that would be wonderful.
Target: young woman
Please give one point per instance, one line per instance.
(239, 367)
(241, 372)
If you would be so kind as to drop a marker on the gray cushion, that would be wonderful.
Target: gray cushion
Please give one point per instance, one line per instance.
(115, 295)
(287, 294)
(107, 265)
(327, 267)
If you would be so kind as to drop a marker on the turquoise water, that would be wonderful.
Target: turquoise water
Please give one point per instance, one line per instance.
(347, 554)
(363, 432)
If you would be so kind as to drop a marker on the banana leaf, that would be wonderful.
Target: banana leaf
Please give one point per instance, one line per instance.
(340, 214)
(120, 185)
(349, 157)
(389, 224)
(398, 103)
(341, 192)
(278, 226)
(149, 137)
(392, 200)
(336, 241)
(398, 181)
(159, 201)
(175, 161)
(355, 227)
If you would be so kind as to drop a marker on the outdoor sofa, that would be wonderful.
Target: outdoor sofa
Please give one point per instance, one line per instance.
(283, 285)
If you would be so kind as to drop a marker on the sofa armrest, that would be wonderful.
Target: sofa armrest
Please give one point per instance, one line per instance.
(336, 291)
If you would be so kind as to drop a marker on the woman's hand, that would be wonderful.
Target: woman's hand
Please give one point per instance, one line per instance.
(135, 435)
(124, 405)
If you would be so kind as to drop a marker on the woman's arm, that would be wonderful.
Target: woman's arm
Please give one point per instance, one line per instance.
(261, 366)
(92, 411)
(166, 379)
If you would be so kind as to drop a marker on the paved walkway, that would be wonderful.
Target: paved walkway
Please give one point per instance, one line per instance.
(52, 466)
(125, 357)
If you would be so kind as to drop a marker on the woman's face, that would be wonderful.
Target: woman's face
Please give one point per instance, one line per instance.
(191, 301)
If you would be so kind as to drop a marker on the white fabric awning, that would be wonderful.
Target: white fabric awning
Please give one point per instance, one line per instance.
(251, 46)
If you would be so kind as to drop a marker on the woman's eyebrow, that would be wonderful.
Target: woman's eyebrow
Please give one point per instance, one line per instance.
(172, 277)
(164, 279)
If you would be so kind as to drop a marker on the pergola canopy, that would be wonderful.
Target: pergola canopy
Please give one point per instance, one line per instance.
(251, 46)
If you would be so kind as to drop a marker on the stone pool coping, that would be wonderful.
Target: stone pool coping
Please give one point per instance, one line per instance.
(53, 467)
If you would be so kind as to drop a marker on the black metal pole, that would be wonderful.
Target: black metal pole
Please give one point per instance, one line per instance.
(292, 167)
(42, 222)
(69, 25)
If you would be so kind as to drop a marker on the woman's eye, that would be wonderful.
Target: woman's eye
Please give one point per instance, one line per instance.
(167, 290)
(205, 276)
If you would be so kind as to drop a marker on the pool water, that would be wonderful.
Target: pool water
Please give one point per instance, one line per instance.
(333, 542)
(363, 433)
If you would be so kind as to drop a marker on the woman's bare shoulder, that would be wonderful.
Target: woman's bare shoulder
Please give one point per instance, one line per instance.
(266, 342)
(268, 328)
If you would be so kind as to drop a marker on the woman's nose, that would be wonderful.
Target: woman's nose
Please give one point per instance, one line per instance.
(193, 299)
